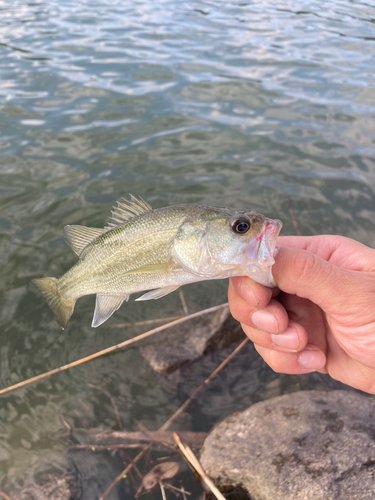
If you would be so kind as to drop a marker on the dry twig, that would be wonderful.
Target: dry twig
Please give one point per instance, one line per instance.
(162, 490)
(295, 224)
(108, 447)
(113, 403)
(3, 495)
(173, 417)
(184, 493)
(147, 322)
(104, 495)
(194, 439)
(179, 490)
(132, 480)
(198, 390)
(140, 475)
(183, 301)
(194, 462)
(108, 350)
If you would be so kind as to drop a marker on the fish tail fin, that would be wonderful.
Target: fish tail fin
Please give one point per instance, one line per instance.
(61, 307)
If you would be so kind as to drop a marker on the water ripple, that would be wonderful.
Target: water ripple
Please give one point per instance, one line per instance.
(257, 104)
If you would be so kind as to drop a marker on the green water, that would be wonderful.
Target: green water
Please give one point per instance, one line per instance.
(262, 105)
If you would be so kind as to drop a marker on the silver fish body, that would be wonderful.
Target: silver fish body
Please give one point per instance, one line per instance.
(159, 250)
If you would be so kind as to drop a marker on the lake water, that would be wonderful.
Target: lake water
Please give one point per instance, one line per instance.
(262, 105)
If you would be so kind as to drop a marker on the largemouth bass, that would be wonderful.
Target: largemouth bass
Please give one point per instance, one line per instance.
(159, 250)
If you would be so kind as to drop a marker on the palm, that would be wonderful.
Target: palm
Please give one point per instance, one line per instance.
(335, 339)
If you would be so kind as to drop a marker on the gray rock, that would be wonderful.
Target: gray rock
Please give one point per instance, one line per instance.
(190, 339)
(51, 485)
(309, 445)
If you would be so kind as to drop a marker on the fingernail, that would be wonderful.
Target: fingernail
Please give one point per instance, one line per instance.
(289, 339)
(248, 294)
(311, 359)
(265, 320)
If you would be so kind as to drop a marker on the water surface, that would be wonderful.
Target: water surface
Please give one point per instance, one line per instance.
(247, 104)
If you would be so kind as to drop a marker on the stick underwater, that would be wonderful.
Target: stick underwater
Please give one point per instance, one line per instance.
(175, 414)
(108, 350)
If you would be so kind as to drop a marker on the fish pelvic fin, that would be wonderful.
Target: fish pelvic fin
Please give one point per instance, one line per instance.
(158, 293)
(61, 308)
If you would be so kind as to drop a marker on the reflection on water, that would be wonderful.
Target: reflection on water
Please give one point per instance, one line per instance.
(238, 104)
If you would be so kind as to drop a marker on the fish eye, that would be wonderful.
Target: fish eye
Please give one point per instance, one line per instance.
(241, 225)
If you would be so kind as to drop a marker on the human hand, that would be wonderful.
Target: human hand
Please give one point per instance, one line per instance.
(322, 315)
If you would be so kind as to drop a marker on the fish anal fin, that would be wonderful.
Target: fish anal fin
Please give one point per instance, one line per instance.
(78, 237)
(158, 293)
(61, 308)
(127, 209)
(105, 306)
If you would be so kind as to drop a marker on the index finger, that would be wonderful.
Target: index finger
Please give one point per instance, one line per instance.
(252, 304)
(257, 296)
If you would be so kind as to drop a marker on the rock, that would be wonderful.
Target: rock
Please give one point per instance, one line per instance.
(309, 445)
(188, 340)
(50, 485)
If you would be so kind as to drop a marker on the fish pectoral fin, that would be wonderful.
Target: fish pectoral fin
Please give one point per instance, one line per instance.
(105, 306)
(126, 210)
(150, 268)
(158, 293)
(78, 237)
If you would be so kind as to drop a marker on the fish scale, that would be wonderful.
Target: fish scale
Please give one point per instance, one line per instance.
(159, 250)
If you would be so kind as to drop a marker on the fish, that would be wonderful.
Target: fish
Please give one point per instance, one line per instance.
(159, 250)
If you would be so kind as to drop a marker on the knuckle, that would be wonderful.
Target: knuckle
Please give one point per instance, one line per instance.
(308, 270)
(304, 267)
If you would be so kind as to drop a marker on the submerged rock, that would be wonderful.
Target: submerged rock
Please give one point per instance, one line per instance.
(50, 485)
(190, 339)
(309, 445)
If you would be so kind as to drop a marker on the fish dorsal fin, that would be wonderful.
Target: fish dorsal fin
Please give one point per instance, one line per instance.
(105, 306)
(126, 210)
(78, 237)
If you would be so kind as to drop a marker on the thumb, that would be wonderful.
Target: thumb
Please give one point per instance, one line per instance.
(307, 275)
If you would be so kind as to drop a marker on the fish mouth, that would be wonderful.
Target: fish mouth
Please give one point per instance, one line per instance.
(261, 252)
(266, 250)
